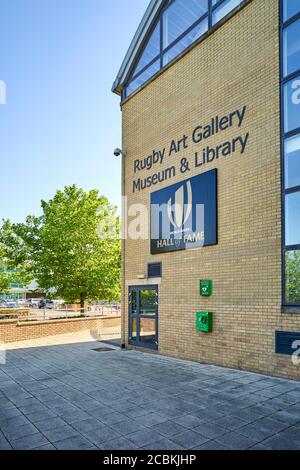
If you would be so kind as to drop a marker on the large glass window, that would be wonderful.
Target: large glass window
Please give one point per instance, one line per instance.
(143, 77)
(292, 162)
(290, 89)
(291, 45)
(151, 51)
(148, 330)
(180, 15)
(185, 42)
(182, 23)
(292, 277)
(290, 8)
(292, 219)
(226, 7)
(147, 302)
(292, 104)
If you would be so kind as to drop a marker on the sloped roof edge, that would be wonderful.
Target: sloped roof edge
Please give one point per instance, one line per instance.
(138, 39)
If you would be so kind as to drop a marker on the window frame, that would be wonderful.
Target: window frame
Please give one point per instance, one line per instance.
(285, 63)
(208, 15)
(283, 15)
(287, 185)
(284, 79)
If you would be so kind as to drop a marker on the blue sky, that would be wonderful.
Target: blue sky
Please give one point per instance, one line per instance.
(61, 122)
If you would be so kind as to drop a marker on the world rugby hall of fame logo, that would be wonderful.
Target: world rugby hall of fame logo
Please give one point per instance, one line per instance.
(181, 205)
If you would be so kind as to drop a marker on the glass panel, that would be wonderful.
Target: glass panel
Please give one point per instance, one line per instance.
(292, 162)
(147, 302)
(180, 16)
(292, 272)
(133, 329)
(148, 330)
(291, 48)
(185, 42)
(151, 50)
(224, 9)
(133, 299)
(292, 219)
(290, 8)
(292, 105)
(141, 79)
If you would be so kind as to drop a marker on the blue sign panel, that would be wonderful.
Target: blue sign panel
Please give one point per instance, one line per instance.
(287, 342)
(184, 215)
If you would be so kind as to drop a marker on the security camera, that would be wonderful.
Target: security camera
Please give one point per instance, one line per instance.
(118, 152)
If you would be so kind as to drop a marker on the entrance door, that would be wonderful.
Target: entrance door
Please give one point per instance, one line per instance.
(143, 316)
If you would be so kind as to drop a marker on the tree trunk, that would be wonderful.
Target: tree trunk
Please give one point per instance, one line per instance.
(82, 305)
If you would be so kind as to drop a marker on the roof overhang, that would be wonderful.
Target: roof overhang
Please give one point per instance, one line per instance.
(136, 44)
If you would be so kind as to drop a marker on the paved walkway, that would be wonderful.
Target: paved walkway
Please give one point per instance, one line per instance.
(85, 336)
(68, 396)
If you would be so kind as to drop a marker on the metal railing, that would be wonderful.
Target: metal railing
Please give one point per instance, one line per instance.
(68, 312)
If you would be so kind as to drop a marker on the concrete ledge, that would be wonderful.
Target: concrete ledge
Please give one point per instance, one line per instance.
(143, 282)
(8, 320)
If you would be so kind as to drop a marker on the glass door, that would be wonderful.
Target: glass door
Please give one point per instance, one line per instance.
(143, 316)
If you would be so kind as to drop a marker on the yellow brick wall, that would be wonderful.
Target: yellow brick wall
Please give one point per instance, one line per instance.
(237, 65)
(13, 330)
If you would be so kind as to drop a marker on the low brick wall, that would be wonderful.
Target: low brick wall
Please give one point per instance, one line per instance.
(15, 330)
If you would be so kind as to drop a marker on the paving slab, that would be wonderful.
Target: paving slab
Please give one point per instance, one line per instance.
(58, 393)
(189, 439)
(236, 441)
(74, 443)
(169, 428)
(29, 442)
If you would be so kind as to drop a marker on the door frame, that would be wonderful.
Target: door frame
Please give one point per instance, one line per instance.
(137, 342)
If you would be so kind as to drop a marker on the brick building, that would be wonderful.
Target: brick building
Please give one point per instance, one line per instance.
(210, 97)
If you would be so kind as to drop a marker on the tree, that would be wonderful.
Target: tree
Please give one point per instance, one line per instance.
(70, 248)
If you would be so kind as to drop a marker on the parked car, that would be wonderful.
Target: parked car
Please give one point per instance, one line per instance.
(9, 304)
(45, 303)
(33, 303)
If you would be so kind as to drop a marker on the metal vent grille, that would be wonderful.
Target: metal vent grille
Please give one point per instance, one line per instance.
(103, 349)
(284, 342)
(154, 270)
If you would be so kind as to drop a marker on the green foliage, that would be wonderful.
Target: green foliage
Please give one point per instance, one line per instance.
(293, 276)
(7, 276)
(69, 249)
(14, 265)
